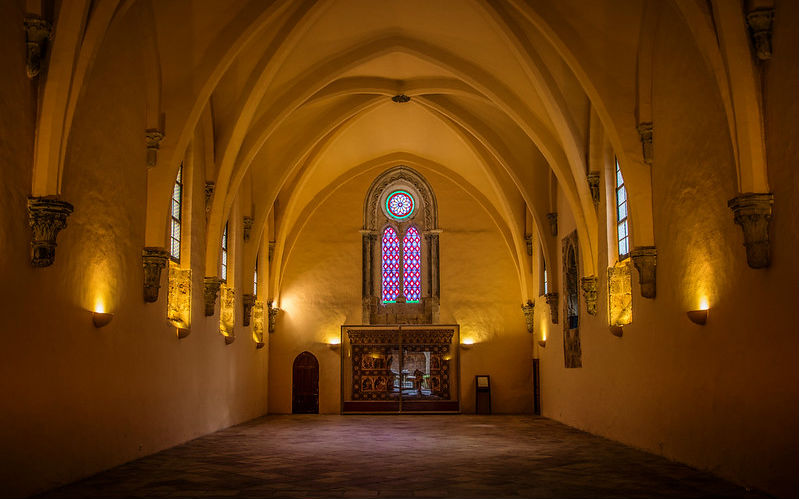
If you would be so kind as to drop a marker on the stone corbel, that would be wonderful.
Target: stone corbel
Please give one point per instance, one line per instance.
(247, 302)
(247, 227)
(271, 252)
(753, 213)
(646, 131)
(47, 215)
(760, 23)
(529, 315)
(645, 260)
(37, 33)
(211, 290)
(589, 293)
(153, 260)
(593, 184)
(528, 240)
(552, 301)
(553, 223)
(153, 138)
(209, 194)
(272, 317)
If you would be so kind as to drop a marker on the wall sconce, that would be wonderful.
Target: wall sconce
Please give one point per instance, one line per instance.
(259, 345)
(467, 343)
(182, 332)
(101, 319)
(616, 330)
(334, 343)
(697, 316)
(542, 343)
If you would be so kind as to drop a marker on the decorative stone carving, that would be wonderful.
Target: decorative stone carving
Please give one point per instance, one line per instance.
(553, 223)
(179, 296)
(528, 240)
(272, 312)
(258, 324)
(760, 23)
(552, 301)
(227, 313)
(620, 294)
(646, 131)
(247, 302)
(529, 315)
(645, 260)
(212, 285)
(593, 184)
(47, 215)
(589, 293)
(401, 98)
(37, 33)
(153, 260)
(753, 213)
(247, 227)
(209, 194)
(153, 138)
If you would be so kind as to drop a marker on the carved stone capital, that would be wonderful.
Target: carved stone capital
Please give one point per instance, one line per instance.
(593, 184)
(646, 131)
(645, 260)
(211, 289)
(552, 301)
(552, 218)
(37, 33)
(760, 23)
(153, 260)
(47, 215)
(152, 139)
(752, 212)
(247, 226)
(529, 315)
(589, 293)
(247, 302)
(528, 241)
(209, 194)
(272, 317)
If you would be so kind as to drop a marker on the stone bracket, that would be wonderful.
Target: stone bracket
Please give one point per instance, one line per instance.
(153, 138)
(47, 216)
(211, 290)
(590, 293)
(37, 33)
(753, 213)
(552, 301)
(247, 302)
(760, 23)
(529, 315)
(553, 223)
(528, 241)
(209, 194)
(646, 132)
(593, 185)
(645, 260)
(153, 260)
(247, 227)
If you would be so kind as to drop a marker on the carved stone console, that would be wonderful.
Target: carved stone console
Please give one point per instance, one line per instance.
(553, 223)
(212, 285)
(247, 227)
(593, 184)
(272, 317)
(589, 293)
(258, 324)
(247, 302)
(529, 315)
(47, 216)
(760, 23)
(753, 213)
(645, 260)
(153, 138)
(646, 131)
(37, 33)
(153, 260)
(552, 301)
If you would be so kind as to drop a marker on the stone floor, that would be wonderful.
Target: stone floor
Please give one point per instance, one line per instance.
(402, 456)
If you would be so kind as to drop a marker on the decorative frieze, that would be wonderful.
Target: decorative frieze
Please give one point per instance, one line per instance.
(47, 216)
(247, 227)
(552, 218)
(645, 260)
(589, 293)
(153, 260)
(593, 185)
(179, 296)
(760, 23)
(529, 315)
(212, 285)
(37, 33)
(552, 301)
(645, 130)
(152, 139)
(753, 213)
(247, 302)
(227, 313)
(258, 324)
(272, 317)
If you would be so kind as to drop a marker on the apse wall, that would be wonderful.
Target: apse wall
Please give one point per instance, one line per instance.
(78, 399)
(723, 396)
(321, 290)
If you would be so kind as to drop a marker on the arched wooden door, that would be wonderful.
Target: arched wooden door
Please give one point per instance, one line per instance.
(305, 385)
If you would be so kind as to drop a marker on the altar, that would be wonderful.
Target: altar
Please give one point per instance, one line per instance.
(400, 368)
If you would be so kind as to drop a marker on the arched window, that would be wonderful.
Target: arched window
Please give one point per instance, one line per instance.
(255, 279)
(223, 272)
(391, 265)
(411, 265)
(177, 216)
(622, 230)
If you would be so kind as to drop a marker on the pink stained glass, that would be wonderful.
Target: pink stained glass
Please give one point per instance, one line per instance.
(411, 265)
(391, 265)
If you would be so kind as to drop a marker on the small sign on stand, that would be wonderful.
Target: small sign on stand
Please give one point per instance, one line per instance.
(482, 398)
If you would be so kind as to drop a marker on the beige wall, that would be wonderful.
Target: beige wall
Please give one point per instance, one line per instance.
(479, 290)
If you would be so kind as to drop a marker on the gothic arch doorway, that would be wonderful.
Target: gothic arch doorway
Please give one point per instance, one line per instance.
(305, 385)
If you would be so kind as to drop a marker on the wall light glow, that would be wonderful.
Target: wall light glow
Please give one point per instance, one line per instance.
(468, 341)
(99, 305)
(334, 340)
(703, 303)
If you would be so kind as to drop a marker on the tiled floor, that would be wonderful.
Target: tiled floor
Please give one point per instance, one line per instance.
(402, 456)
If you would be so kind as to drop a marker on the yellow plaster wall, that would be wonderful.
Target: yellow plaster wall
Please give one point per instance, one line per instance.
(479, 290)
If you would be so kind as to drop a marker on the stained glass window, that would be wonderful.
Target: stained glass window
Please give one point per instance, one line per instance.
(622, 230)
(391, 265)
(400, 205)
(255, 279)
(176, 212)
(411, 260)
(224, 255)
